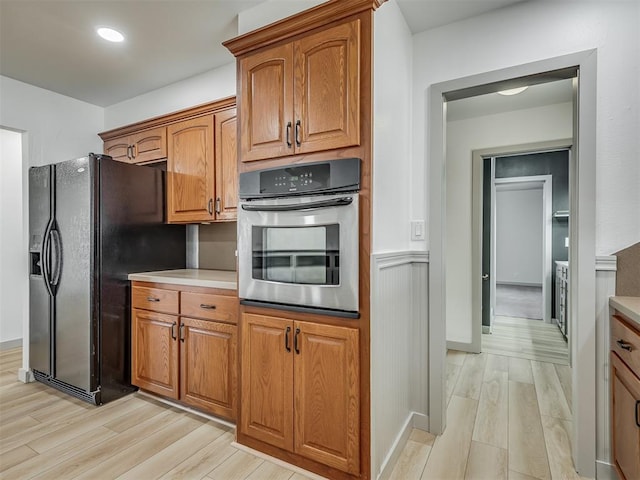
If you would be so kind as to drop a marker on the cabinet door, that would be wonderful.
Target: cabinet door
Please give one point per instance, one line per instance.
(226, 127)
(266, 104)
(327, 395)
(149, 145)
(118, 149)
(208, 366)
(625, 415)
(190, 170)
(154, 356)
(327, 89)
(267, 380)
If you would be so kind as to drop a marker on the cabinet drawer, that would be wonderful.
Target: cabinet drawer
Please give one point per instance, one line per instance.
(624, 336)
(210, 306)
(155, 299)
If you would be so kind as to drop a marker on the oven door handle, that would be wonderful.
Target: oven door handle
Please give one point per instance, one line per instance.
(337, 202)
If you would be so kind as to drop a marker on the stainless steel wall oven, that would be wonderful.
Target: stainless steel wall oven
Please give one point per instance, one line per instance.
(298, 241)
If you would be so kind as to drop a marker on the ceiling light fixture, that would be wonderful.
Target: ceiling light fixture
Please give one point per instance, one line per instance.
(513, 91)
(110, 34)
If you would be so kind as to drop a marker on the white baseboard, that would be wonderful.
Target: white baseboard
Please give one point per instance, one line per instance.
(25, 375)
(461, 346)
(605, 471)
(415, 420)
(486, 329)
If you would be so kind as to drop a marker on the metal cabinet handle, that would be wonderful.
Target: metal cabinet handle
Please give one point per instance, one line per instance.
(295, 341)
(210, 206)
(624, 345)
(638, 413)
(133, 151)
(182, 332)
(173, 333)
(207, 307)
(129, 152)
(152, 299)
(298, 133)
(218, 205)
(289, 134)
(286, 339)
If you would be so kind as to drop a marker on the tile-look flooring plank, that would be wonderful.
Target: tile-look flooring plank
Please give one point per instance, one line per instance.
(557, 435)
(564, 374)
(551, 398)
(486, 462)
(15, 457)
(411, 463)
(448, 457)
(469, 382)
(270, 471)
(520, 370)
(237, 467)
(491, 426)
(527, 450)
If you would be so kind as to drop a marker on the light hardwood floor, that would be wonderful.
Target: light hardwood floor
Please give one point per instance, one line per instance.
(507, 418)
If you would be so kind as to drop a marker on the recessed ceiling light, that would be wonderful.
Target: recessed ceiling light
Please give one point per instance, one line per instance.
(513, 91)
(110, 34)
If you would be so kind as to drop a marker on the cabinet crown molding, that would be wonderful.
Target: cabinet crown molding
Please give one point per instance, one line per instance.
(177, 116)
(319, 16)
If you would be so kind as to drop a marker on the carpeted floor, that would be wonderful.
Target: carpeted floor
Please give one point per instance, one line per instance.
(519, 301)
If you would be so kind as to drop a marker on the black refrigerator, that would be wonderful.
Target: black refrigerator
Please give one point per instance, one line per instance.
(92, 221)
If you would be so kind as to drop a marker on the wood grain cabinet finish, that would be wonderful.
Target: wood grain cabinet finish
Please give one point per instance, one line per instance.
(187, 356)
(625, 399)
(302, 96)
(154, 359)
(190, 170)
(300, 388)
(146, 146)
(226, 145)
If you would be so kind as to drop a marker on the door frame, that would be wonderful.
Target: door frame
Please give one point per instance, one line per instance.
(582, 167)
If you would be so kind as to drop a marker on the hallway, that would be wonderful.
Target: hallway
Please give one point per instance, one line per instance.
(507, 418)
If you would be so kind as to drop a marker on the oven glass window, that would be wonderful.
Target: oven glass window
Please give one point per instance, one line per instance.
(299, 255)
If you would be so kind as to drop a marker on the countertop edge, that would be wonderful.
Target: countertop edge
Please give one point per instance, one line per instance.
(629, 306)
(153, 277)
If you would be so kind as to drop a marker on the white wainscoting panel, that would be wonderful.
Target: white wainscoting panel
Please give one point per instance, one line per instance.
(605, 287)
(399, 353)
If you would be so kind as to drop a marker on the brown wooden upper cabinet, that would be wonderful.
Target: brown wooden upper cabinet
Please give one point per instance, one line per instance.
(141, 147)
(302, 96)
(202, 184)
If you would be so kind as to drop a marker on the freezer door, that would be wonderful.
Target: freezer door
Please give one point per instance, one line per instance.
(40, 300)
(74, 219)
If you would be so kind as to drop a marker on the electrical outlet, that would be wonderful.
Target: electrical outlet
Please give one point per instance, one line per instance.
(417, 230)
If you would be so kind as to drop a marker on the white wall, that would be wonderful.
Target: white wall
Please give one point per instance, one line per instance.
(533, 31)
(519, 219)
(12, 264)
(206, 87)
(551, 122)
(392, 104)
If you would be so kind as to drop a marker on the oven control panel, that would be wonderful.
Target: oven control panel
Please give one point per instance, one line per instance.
(331, 176)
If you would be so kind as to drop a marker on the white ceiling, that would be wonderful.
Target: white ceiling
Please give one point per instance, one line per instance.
(52, 43)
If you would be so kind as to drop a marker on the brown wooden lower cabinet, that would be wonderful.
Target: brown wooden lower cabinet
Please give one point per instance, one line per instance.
(191, 360)
(300, 388)
(625, 398)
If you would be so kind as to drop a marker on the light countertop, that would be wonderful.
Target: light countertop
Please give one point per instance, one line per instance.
(629, 306)
(191, 277)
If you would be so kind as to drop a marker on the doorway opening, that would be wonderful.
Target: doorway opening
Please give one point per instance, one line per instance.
(581, 67)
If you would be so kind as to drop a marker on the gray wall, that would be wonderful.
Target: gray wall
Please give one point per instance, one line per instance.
(547, 163)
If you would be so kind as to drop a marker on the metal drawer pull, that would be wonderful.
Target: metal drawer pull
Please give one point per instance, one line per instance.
(295, 341)
(638, 413)
(207, 307)
(173, 326)
(152, 299)
(624, 345)
(286, 339)
(182, 332)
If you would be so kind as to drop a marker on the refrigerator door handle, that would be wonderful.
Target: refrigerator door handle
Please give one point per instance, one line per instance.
(46, 258)
(57, 270)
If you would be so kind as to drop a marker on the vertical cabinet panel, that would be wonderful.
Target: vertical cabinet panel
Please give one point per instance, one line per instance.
(266, 103)
(190, 170)
(327, 93)
(154, 360)
(267, 380)
(327, 392)
(625, 406)
(207, 361)
(226, 128)
(118, 149)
